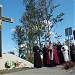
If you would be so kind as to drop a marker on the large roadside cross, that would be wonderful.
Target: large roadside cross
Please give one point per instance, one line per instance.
(6, 20)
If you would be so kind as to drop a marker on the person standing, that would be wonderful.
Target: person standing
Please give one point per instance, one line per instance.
(56, 58)
(44, 56)
(50, 56)
(59, 52)
(65, 50)
(72, 52)
(37, 57)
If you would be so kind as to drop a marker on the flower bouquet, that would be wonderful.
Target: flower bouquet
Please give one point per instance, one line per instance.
(10, 64)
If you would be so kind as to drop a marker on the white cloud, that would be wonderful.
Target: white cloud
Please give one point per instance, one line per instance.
(12, 30)
(14, 49)
(4, 51)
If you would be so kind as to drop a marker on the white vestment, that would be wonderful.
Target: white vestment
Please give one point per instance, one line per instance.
(51, 53)
(65, 52)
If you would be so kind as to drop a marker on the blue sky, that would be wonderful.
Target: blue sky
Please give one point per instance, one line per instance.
(14, 9)
(67, 6)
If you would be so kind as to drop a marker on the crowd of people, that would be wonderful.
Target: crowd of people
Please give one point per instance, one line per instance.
(53, 54)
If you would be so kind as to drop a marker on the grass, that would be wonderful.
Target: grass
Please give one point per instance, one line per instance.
(13, 70)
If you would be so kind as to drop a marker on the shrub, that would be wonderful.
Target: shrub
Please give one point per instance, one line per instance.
(31, 60)
(68, 65)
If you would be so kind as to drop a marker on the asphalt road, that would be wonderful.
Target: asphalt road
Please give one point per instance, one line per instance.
(58, 70)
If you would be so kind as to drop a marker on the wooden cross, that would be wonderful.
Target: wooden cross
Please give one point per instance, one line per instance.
(6, 20)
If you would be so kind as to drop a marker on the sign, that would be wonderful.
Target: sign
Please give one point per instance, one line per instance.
(68, 31)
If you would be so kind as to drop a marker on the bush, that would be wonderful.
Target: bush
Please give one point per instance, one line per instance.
(31, 60)
(68, 65)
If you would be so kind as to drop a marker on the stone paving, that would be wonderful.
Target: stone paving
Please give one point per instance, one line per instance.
(58, 70)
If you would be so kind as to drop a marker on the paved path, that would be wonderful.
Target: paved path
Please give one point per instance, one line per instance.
(58, 70)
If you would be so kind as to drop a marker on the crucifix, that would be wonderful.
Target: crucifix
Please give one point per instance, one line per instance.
(6, 20)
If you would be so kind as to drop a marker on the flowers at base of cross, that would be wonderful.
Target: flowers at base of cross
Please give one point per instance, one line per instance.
(14, 64)
(10, 64)
(18, 63)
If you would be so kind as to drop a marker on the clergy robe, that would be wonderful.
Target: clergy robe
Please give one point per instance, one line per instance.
(56, 58)
(60, 55)
(52, 57)
(65, 53)
(37, 57)
(72, 51)
(44, 56)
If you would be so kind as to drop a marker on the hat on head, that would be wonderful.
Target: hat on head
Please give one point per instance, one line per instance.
(50, 43)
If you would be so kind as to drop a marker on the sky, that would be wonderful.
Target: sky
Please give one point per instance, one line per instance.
(67, 6)
(14, 9)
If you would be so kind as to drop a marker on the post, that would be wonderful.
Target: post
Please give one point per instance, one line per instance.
(0, 31)
(68, 32)
(69, 44)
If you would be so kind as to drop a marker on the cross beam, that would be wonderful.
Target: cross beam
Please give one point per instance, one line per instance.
(7, 19)
(10, 20)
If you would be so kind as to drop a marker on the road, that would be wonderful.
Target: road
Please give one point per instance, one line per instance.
(58, 70)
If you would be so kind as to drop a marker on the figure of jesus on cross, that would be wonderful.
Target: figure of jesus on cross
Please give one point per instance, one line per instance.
(6, 20)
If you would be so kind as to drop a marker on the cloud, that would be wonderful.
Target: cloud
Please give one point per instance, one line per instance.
(12, 30)
(4, 51)
(14, 49)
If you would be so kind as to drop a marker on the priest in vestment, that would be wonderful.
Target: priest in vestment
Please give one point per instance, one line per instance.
(65, 51)
(37, 57)
(59, 52)
(52, 58)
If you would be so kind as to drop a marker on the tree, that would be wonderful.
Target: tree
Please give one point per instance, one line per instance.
(36, 11)
(18, 36)
(11, 52)
(29, 22)
(47, 8)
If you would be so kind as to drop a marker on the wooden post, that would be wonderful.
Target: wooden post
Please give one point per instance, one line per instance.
(0, 31)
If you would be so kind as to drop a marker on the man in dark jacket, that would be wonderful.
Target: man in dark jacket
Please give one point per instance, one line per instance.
(44, 56)
(59, 52)
(72, 52)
